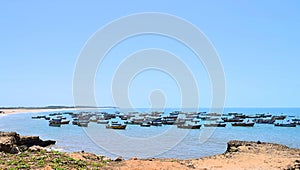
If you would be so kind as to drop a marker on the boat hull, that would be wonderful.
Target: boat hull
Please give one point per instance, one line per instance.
(215, 125)
(189, 126)
(243, 124)
(121, 127)
(285, 125)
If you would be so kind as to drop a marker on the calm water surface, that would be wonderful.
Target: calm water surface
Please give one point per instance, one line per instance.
(160, 142)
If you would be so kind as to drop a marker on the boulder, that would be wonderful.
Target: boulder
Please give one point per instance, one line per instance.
(34, 140)
(8, 140)
(119, 159)
(35, 148)
(12, 142)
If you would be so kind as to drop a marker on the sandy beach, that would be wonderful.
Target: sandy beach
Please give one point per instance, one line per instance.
(24, 110)
(16, 111)
(239, 155)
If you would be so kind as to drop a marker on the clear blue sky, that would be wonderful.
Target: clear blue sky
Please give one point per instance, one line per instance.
(258, 43)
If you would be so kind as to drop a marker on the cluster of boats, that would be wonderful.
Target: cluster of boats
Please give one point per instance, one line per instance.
(191, 120)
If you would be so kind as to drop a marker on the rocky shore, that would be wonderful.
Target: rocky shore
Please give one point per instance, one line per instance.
(27, 152)
(12, 142)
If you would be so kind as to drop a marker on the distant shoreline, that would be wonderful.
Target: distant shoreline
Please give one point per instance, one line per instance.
(17, 110)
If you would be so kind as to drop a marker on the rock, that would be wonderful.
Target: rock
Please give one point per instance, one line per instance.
(23, 148)
(14, 150)
(119, 159)
(134, 158)
(35, 148)
(12, 142)
(34, 140)
(106, 159)
(233, 149)
(8, 140)
(243, 148)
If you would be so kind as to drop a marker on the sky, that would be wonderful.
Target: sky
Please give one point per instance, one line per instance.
(257, 43)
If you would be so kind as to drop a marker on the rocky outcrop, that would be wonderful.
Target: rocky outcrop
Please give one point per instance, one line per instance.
(34, 140)
(12, 142)
(256, 147)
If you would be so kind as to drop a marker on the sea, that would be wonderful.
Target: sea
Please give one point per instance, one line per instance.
(165, 141)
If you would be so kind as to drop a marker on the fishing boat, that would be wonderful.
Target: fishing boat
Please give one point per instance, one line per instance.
(47, 118)
(232, 119)
(245, 123)
(156, 122)
(82, 122)
(94, 119)
(102, 121)
(55, 114)
(35, 117)
(286, 123)
(57, 121)
(169, 120)
(215, 124)
(75, 121)
(279, 117)
(116, 126)
(189, 125)
(116, 123)
(264, 121)
(54, 125)
(145, 124)
(61, 117)
(38, 117)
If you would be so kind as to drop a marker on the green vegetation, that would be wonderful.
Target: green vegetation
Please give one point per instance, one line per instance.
(54, 159)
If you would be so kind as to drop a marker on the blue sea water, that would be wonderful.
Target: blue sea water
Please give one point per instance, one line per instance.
(160, 142)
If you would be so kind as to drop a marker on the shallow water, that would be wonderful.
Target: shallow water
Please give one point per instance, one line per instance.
(161, 142)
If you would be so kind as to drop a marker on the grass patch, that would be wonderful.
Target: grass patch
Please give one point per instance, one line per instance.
(56, 160)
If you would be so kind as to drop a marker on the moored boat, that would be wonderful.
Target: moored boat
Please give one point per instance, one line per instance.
(58, 122)
(215, 124)
(285, 123)
(55, 125)
(102, 121)
(116, 123)
(245, 123)
(145, 124)
(156, 122)
(225, 119)
(116, 126)
(189, 125)
(264, 121)
(83, 124)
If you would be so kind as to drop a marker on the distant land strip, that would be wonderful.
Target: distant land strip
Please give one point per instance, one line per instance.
(58, 107)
